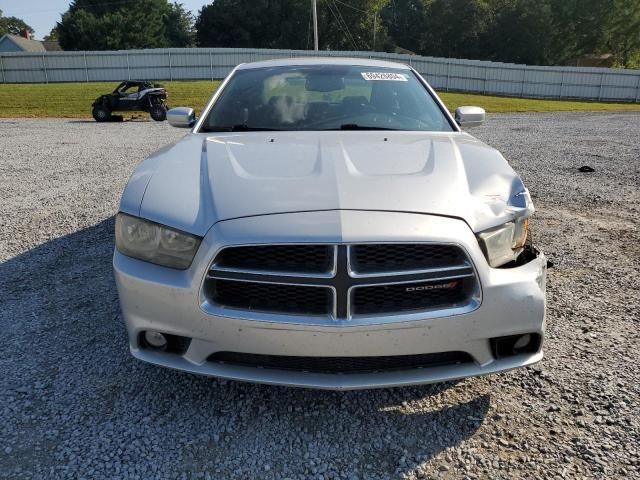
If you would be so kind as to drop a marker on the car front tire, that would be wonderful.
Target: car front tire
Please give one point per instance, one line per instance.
(101, 113)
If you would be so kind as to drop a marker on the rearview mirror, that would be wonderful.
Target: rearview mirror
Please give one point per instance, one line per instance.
(181, 117)
(469, 116)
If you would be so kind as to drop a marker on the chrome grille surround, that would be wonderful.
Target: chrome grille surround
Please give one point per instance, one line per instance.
(344, 282)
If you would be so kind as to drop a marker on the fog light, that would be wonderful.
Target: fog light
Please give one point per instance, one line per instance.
(155, 339)
(510, 345)
(522, 342)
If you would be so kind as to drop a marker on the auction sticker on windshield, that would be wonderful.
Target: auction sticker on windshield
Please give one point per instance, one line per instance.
(395, 77)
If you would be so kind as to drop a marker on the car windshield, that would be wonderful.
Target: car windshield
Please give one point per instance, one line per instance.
(325, 97)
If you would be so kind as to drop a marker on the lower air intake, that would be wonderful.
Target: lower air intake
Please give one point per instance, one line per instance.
(341, 364)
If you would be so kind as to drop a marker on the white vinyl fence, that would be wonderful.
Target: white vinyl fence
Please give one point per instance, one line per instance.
(214, 63)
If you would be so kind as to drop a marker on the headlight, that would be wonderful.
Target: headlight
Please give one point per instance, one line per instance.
(154, 243)
(503, 244)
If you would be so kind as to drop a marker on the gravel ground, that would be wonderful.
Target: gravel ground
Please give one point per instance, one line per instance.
(75, 404)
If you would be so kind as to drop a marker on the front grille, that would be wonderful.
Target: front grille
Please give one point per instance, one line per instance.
(341, 282)
(410, 297)
(271, 297)
(341, 364)
(381, 258)
(278, 258)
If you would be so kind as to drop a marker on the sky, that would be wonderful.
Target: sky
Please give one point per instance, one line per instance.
(42, 15)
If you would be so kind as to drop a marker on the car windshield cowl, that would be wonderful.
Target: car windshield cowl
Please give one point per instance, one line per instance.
(326, 97)
(237, 128)
(246, 128)
(355, 126)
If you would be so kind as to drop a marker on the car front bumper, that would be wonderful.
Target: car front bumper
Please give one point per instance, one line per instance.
(170, 301)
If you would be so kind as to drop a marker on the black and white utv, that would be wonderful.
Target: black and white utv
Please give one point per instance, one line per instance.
(132, 95)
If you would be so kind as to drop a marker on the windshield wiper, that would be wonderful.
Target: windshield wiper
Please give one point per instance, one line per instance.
(355, 126)
(241, 127)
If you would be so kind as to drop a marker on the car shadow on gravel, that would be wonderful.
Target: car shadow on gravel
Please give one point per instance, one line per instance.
(124, 120)
(70, 386)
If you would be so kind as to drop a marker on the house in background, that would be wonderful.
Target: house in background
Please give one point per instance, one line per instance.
(51, 46)
(16, 43)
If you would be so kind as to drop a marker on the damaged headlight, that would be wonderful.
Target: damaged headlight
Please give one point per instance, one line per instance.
(151, 242)
(503, 244)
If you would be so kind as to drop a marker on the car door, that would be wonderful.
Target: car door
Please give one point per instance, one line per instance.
(128, 96)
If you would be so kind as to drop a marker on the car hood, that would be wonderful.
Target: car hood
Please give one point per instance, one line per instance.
(206, 178)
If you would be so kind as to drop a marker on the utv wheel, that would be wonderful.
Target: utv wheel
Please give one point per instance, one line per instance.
(101, 113)
(158, 113)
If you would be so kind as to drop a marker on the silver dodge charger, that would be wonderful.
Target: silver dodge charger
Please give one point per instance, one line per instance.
(326, 223)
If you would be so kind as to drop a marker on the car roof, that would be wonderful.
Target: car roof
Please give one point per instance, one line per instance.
(135, 82)
(300, 61)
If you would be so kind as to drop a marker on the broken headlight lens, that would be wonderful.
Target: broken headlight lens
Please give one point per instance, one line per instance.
(503, 244)
(151, 242)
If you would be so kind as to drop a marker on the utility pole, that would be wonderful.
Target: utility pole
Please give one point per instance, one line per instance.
(375, 25)
(314, 7)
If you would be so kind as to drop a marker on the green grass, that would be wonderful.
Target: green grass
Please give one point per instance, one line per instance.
(73, 100)
(508, 104)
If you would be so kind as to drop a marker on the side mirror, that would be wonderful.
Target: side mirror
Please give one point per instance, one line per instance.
(181, 117)
(469, 116)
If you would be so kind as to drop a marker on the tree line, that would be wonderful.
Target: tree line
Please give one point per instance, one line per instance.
(535, 32)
